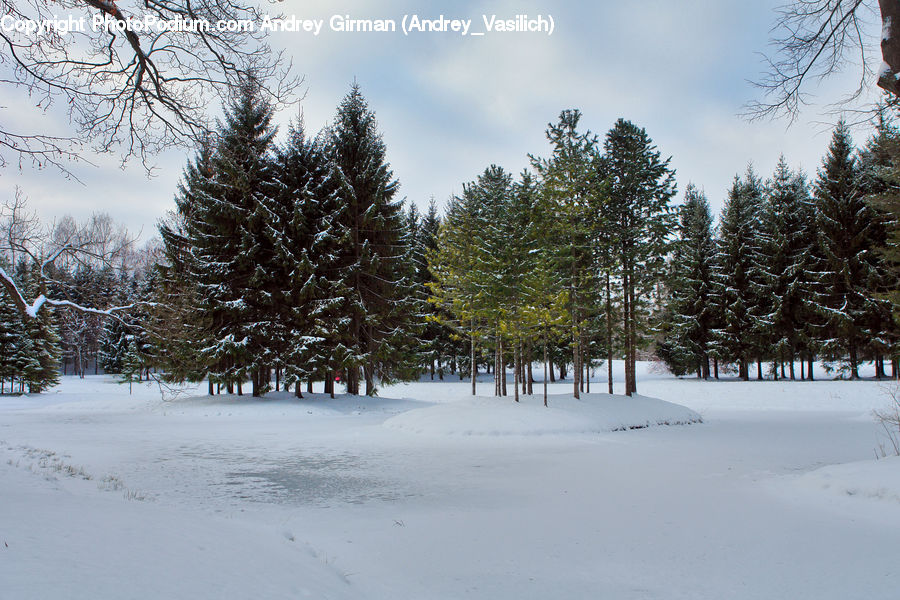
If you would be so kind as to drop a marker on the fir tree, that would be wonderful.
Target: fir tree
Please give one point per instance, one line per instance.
(570, 185)
(233, 239)
(846, 230)
(307, 204)
(691, 306)
(878, 166)
(787, 263)
(378, 306)
(737, 257)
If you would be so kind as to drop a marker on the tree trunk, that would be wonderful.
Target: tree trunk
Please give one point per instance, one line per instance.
(552, 372)
(809, 368)
(298, 385)
(587, 372)
(472, 357)
(369, 372)
(716, 367)
(240, 388)
(502, 370)
(576, 366)
(211, 391)
(530, 374)
(759, 369)
(516, 369)
(609, 334)
(309, 384)
(546, 362)
(890, 47)
(626, 330)
(632, 342)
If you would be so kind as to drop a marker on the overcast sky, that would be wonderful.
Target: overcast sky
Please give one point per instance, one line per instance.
(449, 106)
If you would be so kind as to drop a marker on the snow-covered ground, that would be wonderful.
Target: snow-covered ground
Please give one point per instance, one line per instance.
(428, 493)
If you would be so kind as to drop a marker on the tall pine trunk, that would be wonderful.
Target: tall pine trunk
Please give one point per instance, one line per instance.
(609, 334)
(516, 369)
(546, 362)
(472, 357)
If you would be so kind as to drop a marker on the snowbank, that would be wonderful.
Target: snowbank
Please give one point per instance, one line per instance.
(877, 480)
(502, 416)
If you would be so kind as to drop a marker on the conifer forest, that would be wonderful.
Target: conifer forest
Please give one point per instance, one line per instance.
(291, 258)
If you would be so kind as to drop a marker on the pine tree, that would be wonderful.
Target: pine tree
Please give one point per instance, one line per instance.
(737, 257)
(640, 186)
(570, 184)
(691, 306)
(846, 231)
(786, 263)
(179, 324)
(378, 306)
(307, 204)
(879, 183)
(233, 239)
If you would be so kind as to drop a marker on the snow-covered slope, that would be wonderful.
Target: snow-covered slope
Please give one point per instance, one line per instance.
(593, 413)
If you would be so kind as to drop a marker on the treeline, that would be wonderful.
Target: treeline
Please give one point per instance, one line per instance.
(585, 255)
(286, 263)
(794, 272)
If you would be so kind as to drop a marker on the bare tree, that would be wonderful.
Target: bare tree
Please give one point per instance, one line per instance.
(132, 75)
(814, 39)
(98, 243)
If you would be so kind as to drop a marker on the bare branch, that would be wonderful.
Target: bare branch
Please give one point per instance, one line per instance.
(813, 39)
(140, 82)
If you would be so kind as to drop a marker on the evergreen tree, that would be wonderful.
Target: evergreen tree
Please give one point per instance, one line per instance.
(787, 263)
(691, 306)
(879, 183)
(846, 232)
(233, 238)
(378, 307)
(571, 185)
(307, 205)
(640, 186)
(179, 323)
(737, 258)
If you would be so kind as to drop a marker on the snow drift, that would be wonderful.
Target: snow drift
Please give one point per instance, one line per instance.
(593, 413)
(876, 480)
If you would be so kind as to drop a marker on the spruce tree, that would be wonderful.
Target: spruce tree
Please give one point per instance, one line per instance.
(881, 187)
(737, 257)
(787, 263)
(233, 241)
(179, 322)
(306, 203)
(691, 307)
(846, 230)
(378, 307)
